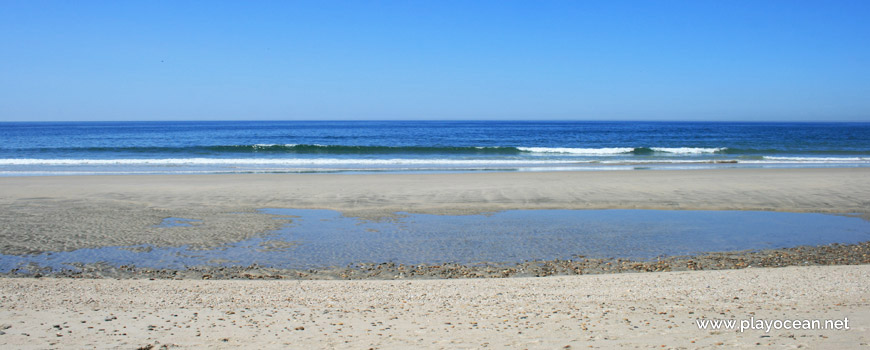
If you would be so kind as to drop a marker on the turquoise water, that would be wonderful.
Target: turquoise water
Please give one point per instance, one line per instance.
(324, 238)
(87, 148)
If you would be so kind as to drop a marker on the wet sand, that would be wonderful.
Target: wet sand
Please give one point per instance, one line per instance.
(656, 309)
(822, 255)
(71, 212)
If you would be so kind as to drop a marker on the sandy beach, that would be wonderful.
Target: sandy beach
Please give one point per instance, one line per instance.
(604, 311)
(621, 310)
(73, 212)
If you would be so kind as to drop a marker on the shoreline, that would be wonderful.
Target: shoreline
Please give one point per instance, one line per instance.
(424, 193)
(67, 213)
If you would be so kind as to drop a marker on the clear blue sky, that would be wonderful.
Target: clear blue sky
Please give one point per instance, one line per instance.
(317, 60)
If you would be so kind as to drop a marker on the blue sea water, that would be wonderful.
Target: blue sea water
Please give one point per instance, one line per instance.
(82, 148)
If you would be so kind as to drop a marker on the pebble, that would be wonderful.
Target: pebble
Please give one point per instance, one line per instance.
(833, 254)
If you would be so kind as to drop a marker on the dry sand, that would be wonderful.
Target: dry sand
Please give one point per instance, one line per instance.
(603, 311)
(71, 212)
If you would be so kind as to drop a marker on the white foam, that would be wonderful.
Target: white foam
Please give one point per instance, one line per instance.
(619, 150)
(671, 161)
(818, 160)
(687, 150)
(589, 151)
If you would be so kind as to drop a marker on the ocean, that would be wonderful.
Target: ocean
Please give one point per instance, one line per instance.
(211, 147)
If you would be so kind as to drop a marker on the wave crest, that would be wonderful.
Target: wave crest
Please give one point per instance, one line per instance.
(687, 150)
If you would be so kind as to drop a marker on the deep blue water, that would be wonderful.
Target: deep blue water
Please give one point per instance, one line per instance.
(300, 146)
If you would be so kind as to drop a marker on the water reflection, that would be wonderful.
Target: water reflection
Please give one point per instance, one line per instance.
(323, 238)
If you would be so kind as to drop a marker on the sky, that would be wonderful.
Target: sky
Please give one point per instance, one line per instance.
(704, 60)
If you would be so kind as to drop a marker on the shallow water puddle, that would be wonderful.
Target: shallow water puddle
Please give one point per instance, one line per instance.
(324, 238)
(177, 222)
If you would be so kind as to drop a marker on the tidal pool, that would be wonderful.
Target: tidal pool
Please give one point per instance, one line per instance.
(325, 238)
(176, 222)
